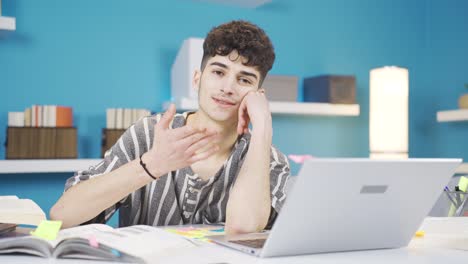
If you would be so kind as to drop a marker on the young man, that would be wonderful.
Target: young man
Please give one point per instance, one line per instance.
(201, 167)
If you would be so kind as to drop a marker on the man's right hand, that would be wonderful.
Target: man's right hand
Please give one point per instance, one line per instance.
(178, 148)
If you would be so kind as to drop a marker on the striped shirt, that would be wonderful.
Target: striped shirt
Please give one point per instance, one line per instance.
(179, 197)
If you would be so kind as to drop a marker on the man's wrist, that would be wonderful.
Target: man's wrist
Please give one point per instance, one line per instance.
(148, 166)
(262, 134)
(264, 128)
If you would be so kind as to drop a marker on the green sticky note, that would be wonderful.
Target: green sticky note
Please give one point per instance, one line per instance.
(47, 230)
(463, 183)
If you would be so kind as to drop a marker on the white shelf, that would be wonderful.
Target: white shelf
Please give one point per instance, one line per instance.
(452, 115)
(46, 165)
(462, 169)
(318, 109)
(287, 108)
(72, 165)
(7, 23)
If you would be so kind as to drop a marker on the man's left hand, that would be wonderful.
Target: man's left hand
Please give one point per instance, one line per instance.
(254, 108)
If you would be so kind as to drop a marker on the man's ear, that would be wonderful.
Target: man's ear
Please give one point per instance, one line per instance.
(196, 80)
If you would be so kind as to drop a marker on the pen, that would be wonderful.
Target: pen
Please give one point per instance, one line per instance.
(458, 196)
(460, 208)
(447, 192)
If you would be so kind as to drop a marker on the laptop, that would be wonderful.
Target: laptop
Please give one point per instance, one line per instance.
(350, 204)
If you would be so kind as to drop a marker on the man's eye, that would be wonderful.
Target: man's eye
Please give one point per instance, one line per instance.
(245, 81)
(219, 73)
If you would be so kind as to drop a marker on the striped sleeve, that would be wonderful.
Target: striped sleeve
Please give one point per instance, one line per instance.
(279, 175)
(134, 142)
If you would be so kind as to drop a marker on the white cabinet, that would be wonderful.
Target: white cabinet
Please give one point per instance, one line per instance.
(188, 60)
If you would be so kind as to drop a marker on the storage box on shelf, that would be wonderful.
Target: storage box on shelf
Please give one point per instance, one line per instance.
(281, 87)
(336, 89)
(109, 138)
(41, 143)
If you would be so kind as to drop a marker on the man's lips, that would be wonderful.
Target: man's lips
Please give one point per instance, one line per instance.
(223, 101)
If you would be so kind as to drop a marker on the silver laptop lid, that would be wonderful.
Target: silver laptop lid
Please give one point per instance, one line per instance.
(354, 204)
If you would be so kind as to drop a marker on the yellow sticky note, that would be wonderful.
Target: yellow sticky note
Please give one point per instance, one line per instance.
(419, 234)
(47, 230)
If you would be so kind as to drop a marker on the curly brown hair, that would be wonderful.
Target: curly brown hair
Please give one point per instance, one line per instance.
(250, 41)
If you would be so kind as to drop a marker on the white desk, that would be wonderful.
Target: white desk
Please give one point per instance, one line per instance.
(427, 250)
(220, 255)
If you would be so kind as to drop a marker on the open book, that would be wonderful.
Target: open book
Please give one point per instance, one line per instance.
(138, 243)
(20, 211)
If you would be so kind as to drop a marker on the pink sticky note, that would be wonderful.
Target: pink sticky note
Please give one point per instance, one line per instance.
(93, 242)
(299, 158)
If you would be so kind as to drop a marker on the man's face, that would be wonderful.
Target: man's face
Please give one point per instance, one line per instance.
(223, 84)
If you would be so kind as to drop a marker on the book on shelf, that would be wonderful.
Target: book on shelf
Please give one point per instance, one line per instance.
(117, 121)
(47, 116)
(27, 117)
(16, 119)
(110, 118)
(135, 244)
(127, 118)
(123, 118)
(63, 116)
(119, 118)
(38, 115)
(20, 211)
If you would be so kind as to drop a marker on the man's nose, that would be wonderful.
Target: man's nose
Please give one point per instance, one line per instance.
(228, 86)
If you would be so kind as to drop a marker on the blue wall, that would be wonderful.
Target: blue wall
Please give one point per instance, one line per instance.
(94, 55)
(445, 70)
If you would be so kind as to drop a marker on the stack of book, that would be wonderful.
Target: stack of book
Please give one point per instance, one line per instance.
(14, 210)
(41, 132)
(123, 118)
(117, 121)
(42, 116)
